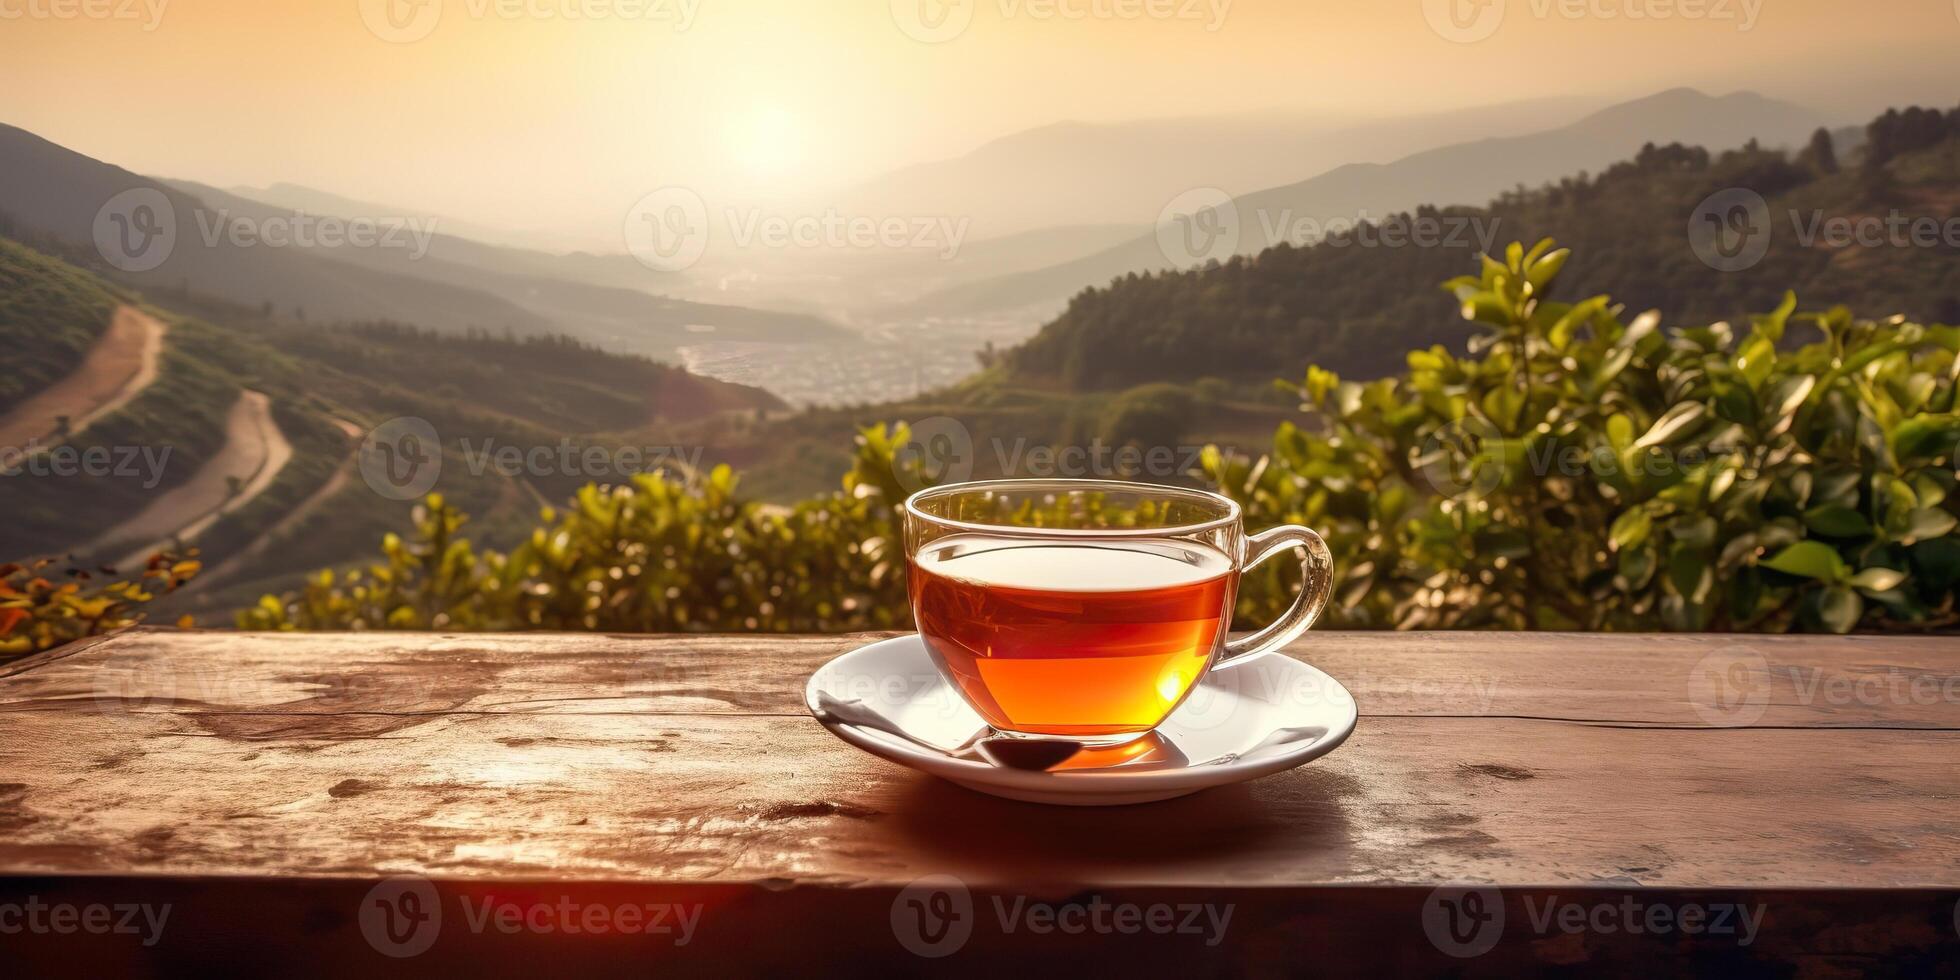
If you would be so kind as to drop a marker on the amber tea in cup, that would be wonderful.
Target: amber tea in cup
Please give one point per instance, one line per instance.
(1088, 610)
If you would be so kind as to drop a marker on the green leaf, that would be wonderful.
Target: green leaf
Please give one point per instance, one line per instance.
(1772, 325)
(1504, 405)
(1810, 559)
(1785, 397)
(1837, 521)
(1839, 487)
(1619, 432)
(1758, 356)
(1642, 327)
(1678, 420)
(1695, 532)
(1839, 609)
(1690, 575)
(1487, 308)
(1928, 523)
(1609, 368)
(1636, 568)
(1561, 333)
(1736, 403)
(1631, 529)
(1547, 269)
(1878, 579)
(1930, 436)
(1537, 251)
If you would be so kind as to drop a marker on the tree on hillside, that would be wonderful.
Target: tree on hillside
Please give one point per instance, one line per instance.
(1820, 157)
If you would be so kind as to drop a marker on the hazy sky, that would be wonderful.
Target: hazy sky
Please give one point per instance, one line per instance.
(558, 114)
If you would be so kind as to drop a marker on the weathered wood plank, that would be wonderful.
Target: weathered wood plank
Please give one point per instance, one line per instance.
(689, 760)
(1642, 679)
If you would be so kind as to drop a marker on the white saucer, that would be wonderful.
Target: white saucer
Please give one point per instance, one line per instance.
(1252, 719)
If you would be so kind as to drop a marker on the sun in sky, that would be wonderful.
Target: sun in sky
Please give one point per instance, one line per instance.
(766, 141)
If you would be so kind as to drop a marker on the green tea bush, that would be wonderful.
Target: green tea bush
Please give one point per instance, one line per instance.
(1574, 471)
(1578, 471)
(651, 555)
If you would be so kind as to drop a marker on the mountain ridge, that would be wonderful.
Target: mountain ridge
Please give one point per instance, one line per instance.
(1467, 173)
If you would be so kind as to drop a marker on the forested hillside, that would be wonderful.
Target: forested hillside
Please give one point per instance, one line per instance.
(48, 321)
(312, 389)
(1356, 305)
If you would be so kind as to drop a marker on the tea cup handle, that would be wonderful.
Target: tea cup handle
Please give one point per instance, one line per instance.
(1317, 582)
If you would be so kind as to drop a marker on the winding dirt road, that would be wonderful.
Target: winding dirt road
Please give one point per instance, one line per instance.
(253, 454)
(115, 370)
(273, 536)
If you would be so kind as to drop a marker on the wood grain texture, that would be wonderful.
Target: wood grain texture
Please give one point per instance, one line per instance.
(1531, 760)
(265, 791)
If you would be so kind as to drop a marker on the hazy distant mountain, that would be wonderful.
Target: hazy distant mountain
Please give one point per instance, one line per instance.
(312, 200)
(484, 246)
(1049, 196)
(1077, 173)
(1470, 173)
(620, 317)
(55, 193)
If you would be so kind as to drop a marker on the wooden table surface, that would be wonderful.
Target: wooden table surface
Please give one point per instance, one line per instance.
(268, 787)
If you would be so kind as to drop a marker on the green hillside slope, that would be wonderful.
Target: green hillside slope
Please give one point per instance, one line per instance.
(49, 317)
(328, 386)
(1356, 305)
